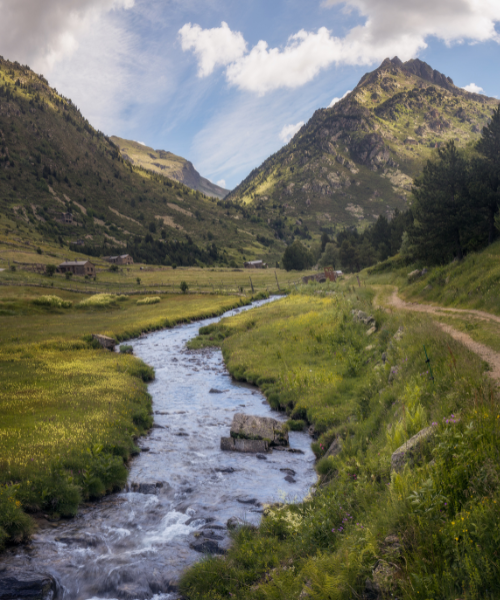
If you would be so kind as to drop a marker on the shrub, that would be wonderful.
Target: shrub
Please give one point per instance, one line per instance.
(68, 274)
(126, 349)
(184, 287)
(99, 301)
(149, 300)
(15, 525)
(53, 301)
(50, 270)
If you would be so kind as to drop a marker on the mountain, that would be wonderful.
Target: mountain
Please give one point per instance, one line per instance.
(52, 161)
(169, 165)
(356, 160)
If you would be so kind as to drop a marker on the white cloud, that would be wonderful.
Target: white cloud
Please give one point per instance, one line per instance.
(289, 131)
(473, 88)
(141, 143)
(335, 100)
(222, 183)
(213, 47)
(42, 33)
(391, 28)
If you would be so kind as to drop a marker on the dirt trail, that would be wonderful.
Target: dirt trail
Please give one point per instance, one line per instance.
(484, 352)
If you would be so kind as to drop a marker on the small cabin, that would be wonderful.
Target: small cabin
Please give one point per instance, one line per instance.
(77, 267)
(255, 264)
(124, 259)
(66, 218)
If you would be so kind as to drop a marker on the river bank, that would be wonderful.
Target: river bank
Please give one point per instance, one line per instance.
(182, 489)
(424, 525)
(69, 412)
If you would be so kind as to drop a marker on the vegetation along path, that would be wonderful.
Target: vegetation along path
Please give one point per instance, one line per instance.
(483, 351)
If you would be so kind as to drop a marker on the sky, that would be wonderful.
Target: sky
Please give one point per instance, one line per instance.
(226, 83)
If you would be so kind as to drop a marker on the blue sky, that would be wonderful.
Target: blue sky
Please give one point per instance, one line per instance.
(225, 83)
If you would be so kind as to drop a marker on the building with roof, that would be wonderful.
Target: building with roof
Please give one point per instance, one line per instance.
(255, 264)
(77, 267)
(124, 259)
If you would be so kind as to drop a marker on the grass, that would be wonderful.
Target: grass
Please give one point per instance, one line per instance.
(430, 531)
(473, 283)
(70, 411)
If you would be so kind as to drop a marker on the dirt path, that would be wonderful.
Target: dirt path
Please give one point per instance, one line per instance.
(484, 352)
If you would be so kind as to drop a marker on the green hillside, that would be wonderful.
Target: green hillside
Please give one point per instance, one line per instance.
(168, 164)
(53, 161)
(356, 160)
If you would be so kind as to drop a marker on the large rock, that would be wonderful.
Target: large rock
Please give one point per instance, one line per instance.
(18, 585)
(411, 449)
(249, 427)
(229, 444)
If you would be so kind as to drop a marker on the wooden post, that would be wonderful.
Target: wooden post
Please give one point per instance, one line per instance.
(253, 291)
(277, 283)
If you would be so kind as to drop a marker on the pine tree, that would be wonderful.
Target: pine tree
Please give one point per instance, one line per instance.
(442, 207)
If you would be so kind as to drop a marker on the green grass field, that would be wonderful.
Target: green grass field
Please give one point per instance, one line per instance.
(429, 531)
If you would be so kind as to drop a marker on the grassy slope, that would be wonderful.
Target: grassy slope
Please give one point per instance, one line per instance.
(473, 284)
(39, 129)
(332, 173)
(69, 412)
(169, 165)
(313, 361)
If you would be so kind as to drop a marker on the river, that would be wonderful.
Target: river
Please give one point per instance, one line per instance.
(182, 489)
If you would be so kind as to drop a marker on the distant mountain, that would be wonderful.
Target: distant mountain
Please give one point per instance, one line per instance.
(169, 165)
(52, 161)
(355, 161)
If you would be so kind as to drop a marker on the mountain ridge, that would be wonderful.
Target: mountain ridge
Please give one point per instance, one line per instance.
(169, 165)
(356, 160)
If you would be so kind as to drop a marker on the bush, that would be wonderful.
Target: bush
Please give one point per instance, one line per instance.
(126, 349)
(149, 300)
(50, 270)
(100, 301)
(53, 301)
(68, 275)
(184, 287)
(15, 525)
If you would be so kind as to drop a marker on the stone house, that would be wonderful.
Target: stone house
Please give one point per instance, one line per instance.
(77, 267)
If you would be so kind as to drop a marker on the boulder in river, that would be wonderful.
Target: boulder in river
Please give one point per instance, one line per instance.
(249, 427)
(229, 444)
(207, 547)
(23, 584)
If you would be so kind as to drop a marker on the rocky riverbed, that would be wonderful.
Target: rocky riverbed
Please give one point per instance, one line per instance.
(184, 493)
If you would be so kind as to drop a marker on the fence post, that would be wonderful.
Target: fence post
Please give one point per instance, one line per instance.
(277, 283)
(253, 291)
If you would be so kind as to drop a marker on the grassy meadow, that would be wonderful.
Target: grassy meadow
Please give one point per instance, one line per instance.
(70, 411)
(429, 531)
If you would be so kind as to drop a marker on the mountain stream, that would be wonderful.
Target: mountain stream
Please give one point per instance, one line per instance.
(181, 490)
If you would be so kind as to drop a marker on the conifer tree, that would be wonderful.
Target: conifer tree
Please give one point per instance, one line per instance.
(442, 207)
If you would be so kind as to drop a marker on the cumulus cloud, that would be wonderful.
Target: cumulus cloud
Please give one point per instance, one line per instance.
(141, 143)
(335, 100)
(289, 131)
(42, 33)
(390, 28)
(475, 89)
(212, 47)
